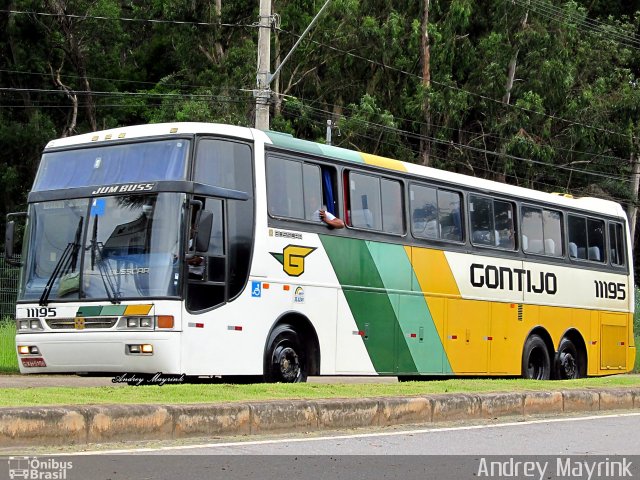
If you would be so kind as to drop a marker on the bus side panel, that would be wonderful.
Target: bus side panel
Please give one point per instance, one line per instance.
(613, 341)
(398, 329)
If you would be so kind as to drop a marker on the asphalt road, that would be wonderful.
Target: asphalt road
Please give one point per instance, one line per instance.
(578, 435)
(545, 448)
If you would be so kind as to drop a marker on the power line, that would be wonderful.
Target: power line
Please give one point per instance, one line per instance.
(497, 137)
(487, 152)
(128, 19)
(476, 168)
(108, 94)
(555, 13)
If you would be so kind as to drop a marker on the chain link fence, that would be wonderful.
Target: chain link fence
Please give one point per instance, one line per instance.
(9, 276)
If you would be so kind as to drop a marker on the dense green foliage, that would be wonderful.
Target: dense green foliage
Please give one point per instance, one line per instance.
(568, 123)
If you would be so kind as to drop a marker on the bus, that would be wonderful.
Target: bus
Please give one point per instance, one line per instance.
(196, 249)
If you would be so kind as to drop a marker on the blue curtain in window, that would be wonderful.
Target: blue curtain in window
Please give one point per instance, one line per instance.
(328, 191)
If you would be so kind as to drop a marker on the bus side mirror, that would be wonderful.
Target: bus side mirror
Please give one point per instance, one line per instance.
(205, 224)
(9, 240)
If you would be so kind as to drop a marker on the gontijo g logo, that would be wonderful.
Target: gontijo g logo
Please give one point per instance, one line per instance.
(292, 259)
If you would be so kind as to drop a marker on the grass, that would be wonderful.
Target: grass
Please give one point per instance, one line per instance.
(8, 358)
(219, 393)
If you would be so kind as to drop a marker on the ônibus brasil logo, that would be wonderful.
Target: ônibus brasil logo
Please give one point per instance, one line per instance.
(40, 469)
(292, 259)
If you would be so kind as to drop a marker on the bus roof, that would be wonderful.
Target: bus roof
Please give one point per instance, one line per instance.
(289, 142)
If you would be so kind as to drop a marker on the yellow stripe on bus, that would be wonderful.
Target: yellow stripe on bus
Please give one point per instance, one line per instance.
(383, 162)
(138, 309)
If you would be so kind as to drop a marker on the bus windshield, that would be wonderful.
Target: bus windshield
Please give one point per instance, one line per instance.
(113, 164)
(104, 248)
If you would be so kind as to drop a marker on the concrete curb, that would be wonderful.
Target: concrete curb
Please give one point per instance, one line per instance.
(36, 426)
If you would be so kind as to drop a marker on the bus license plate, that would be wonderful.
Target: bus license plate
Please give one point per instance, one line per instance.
(33, 362)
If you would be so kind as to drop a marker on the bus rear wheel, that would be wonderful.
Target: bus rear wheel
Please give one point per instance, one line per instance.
(286, 360)
(536, 363)
(567, 362)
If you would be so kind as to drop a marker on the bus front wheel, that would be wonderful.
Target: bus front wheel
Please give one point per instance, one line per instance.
(286, 360)
(536, 363)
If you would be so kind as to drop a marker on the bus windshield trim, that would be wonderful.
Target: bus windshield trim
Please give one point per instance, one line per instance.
(177, 186)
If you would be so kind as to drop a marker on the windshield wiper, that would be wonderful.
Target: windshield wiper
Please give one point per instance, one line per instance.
(104, 267)
(67, 263)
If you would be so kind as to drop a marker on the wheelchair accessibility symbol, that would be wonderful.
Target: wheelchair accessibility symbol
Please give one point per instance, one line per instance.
(256, 289)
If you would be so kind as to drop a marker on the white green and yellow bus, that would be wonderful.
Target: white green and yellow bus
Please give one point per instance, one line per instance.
(196, 249)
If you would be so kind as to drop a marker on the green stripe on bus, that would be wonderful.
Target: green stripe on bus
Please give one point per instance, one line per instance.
(287, 141)
(89, 311)
(416, 323)
(113, 310)
(369, 302)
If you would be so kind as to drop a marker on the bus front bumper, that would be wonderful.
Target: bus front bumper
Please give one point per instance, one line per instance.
(99, 352)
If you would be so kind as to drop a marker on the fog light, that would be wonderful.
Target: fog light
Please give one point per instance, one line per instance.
(146, 322)
(33, 350)
(147, 348)
(134, 348)
(132, 322)
(23, 349)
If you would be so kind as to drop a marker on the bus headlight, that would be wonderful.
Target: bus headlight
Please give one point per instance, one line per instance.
(146, 322)
(26, 324)
(35, 324)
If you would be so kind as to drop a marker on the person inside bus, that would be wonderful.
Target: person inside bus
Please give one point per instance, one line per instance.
(195, 262)
(323, 215)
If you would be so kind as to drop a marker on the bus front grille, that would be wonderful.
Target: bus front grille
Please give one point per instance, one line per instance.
(81, 323)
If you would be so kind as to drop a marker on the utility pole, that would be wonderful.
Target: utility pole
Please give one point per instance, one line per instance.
(632, 210)
(263, 92)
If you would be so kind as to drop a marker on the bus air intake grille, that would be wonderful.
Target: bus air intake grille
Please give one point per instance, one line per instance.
(89, 323)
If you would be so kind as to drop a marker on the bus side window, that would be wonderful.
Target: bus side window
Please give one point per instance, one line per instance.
(616, 242)
(577, 237)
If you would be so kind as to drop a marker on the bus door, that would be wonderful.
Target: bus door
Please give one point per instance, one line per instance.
(206, 259)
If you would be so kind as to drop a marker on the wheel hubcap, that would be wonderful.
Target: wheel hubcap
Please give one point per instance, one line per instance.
(568, 364)
(287, 362)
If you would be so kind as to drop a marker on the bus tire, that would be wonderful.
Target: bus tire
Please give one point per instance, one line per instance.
(286, 360)
(567, 361)
(536, 362)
